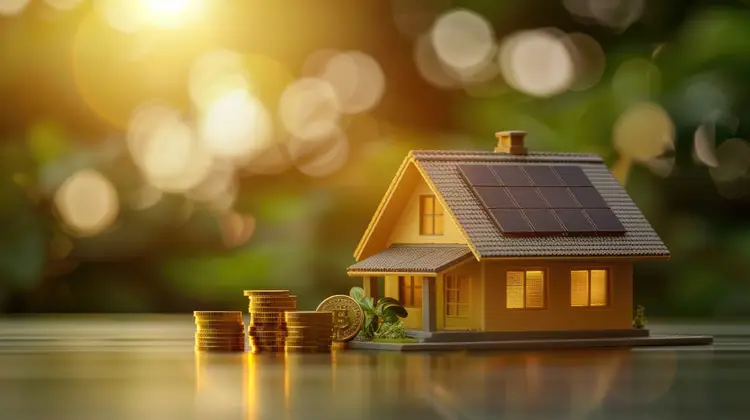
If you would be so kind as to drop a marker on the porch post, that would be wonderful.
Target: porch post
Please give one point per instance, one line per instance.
(429, 309)
(371, 287)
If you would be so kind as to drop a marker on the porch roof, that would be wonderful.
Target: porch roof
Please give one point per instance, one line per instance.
(425, 259)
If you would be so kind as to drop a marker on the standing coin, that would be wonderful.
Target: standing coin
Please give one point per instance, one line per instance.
(348, 317)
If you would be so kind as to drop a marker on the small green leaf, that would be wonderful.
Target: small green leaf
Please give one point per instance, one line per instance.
(368, 303)
(357, 293)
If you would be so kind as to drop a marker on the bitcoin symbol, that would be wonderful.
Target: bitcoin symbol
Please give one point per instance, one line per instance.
(340, 321)
(348, 316)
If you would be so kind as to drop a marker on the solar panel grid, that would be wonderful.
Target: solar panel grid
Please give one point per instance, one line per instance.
(543, 200)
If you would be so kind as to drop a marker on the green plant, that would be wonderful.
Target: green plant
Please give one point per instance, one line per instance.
(640, 317)
(391, 330)
(386, 309)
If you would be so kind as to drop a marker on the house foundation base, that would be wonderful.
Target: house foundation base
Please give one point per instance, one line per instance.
(540, 344)
(471, 336)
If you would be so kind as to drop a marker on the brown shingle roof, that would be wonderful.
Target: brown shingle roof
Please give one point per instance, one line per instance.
(640, 239)
(413, 259)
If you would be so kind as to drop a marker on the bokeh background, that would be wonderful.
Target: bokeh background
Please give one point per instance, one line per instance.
(163, 155)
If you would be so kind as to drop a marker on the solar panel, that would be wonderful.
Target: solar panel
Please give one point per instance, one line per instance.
(543, 221)
(541, 200)
(572, 176)
(558, 198)
(511, 221)
(479, 175)
(511, 175)
(589, 198)
(542, 176)
(575, 221)
(527, 198)
(495, 197)
(605, 221)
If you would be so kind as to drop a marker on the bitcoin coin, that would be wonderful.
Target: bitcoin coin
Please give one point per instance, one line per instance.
(348, 317)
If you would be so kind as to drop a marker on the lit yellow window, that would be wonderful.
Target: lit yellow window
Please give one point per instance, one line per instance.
(525, 289)
(430, 216)
(457, 296)
(410, 291)
(589, 288)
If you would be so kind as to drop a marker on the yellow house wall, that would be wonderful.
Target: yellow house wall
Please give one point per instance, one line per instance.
(558, 314)
(406, 228)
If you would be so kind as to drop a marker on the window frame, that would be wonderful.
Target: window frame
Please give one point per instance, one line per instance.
(608, 282)
(545, 285)
(432, 216)
(458, 304)
(411, 288)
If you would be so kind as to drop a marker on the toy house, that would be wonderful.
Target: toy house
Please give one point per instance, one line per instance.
(507, 241)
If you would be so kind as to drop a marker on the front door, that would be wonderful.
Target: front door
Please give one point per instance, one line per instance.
(410, 295)
(457, 301)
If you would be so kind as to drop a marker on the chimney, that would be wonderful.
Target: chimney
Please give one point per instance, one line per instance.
(510, 142)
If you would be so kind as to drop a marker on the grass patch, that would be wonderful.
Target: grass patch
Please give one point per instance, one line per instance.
(394, 340)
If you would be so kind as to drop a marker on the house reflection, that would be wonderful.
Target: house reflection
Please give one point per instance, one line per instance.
(372, 384)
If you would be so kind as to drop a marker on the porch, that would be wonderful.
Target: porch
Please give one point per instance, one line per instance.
(405, 264)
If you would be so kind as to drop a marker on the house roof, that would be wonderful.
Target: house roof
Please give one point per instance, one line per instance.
(412, 259)
(440, 169)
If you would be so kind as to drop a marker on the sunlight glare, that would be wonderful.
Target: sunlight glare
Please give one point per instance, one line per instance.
(236, 126)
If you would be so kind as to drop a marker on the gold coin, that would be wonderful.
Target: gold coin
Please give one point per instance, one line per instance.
(206, 334)
(339, 345)
(348, 316)
(265, 292)
(237, 330)
(218, 314)
(272, 299)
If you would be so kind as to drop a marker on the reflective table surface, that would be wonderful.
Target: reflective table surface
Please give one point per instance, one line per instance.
(145, 367)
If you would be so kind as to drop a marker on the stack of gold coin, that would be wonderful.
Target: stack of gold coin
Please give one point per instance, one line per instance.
(219, 331)
(308, 331)
(267, 324)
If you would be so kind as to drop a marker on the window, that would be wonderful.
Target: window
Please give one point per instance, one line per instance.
(457, 296)
(430, 216)
(589, 288)
(525, 290)
(410, 291)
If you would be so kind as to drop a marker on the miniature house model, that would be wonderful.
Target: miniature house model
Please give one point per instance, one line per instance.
(506, 240)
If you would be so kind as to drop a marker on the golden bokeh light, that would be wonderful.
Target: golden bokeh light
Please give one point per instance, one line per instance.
(87, 203)
(733, 158)
(169, 14)
(644, 132)
(358, 80)
(429, 65)
(171, 156)
(215, 73)
(704, 145)
(321, 157)
(537, 62)
(121, 15)
(64, 5)
(463, 40)
(236, 126)
(13, 7)
(144, 121)
(309, 108)
(588, 59)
